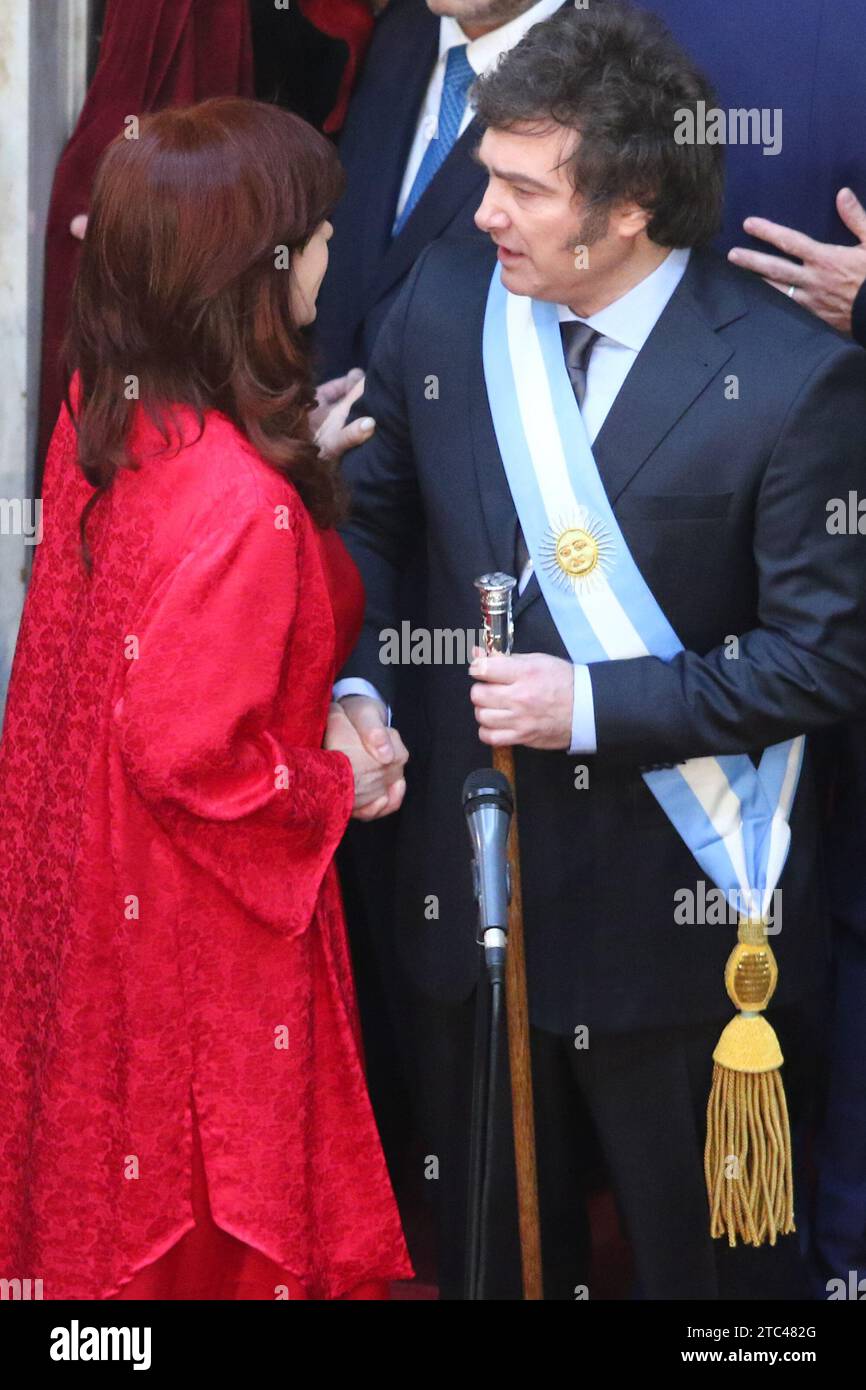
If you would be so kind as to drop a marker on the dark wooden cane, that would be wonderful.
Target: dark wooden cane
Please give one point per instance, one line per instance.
(517, 1010)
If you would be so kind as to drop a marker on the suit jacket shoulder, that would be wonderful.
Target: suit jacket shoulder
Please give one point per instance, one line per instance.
(449, 274)
(712, 280)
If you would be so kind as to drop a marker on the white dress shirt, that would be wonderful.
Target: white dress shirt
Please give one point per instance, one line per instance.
(482, 53)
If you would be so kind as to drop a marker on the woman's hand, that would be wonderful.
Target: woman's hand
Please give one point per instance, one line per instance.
(334, 400)
(379, 787)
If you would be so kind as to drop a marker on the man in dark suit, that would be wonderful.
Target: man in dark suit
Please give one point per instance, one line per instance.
(792, 56)
(405, 189)
(722, 419)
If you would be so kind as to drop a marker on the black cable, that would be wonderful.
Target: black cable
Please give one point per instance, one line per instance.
(497, 1013)
(478, 1122)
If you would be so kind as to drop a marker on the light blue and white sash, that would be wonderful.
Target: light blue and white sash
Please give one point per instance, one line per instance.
(732, 815)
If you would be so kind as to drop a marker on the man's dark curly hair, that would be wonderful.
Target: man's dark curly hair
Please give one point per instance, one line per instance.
(615, 75)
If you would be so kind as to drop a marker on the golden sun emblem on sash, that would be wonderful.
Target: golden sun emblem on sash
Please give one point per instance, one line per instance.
(576, 551)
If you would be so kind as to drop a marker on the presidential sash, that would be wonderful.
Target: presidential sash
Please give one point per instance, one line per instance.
(733, 816)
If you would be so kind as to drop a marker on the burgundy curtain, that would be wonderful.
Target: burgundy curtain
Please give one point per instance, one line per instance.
(154, 53)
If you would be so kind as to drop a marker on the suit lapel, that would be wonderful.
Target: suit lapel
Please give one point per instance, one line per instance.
(389, 119)
(494, 494)
(455, 183)
(497, 505)
(679, 359)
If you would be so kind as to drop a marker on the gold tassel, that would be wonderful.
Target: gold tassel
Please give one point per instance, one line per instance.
(747, 1159)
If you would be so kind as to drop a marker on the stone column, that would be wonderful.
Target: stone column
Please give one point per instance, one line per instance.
(43, 73)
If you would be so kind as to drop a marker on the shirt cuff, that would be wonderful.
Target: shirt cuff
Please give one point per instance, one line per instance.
(583, 732)
(356, 685)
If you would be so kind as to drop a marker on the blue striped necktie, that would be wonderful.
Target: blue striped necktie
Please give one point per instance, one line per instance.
(459, 75)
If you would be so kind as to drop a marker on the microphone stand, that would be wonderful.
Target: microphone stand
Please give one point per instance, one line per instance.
(488, 1033)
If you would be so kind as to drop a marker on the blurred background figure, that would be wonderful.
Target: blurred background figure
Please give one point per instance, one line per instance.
(307, 55)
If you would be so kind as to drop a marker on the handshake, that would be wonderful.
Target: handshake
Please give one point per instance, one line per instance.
(525, 698)
(358, 727)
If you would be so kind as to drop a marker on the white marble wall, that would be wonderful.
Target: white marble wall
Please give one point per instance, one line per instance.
(43, 56)
(14, 227)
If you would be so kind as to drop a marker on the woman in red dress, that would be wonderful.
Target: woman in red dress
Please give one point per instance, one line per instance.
(183, 1111)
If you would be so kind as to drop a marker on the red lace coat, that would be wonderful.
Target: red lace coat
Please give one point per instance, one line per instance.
(171, 917)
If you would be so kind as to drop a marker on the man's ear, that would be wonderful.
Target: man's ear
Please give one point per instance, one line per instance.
(631, 219)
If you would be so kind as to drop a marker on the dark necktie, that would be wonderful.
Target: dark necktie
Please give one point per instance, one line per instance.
(578, 340)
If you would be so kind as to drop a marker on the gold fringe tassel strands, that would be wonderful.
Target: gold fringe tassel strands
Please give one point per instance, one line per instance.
(747, 1159)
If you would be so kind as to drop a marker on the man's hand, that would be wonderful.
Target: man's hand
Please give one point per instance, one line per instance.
(830, 277)
(377, 754)
(522, 699)
(334, 400)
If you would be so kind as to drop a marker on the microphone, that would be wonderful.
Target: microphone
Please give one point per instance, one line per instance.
(488, 805)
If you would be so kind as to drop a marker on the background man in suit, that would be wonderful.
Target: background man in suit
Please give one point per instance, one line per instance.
(405, 148)
(721, 497)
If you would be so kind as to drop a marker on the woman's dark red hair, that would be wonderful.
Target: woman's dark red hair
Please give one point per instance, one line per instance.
(182, 285)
